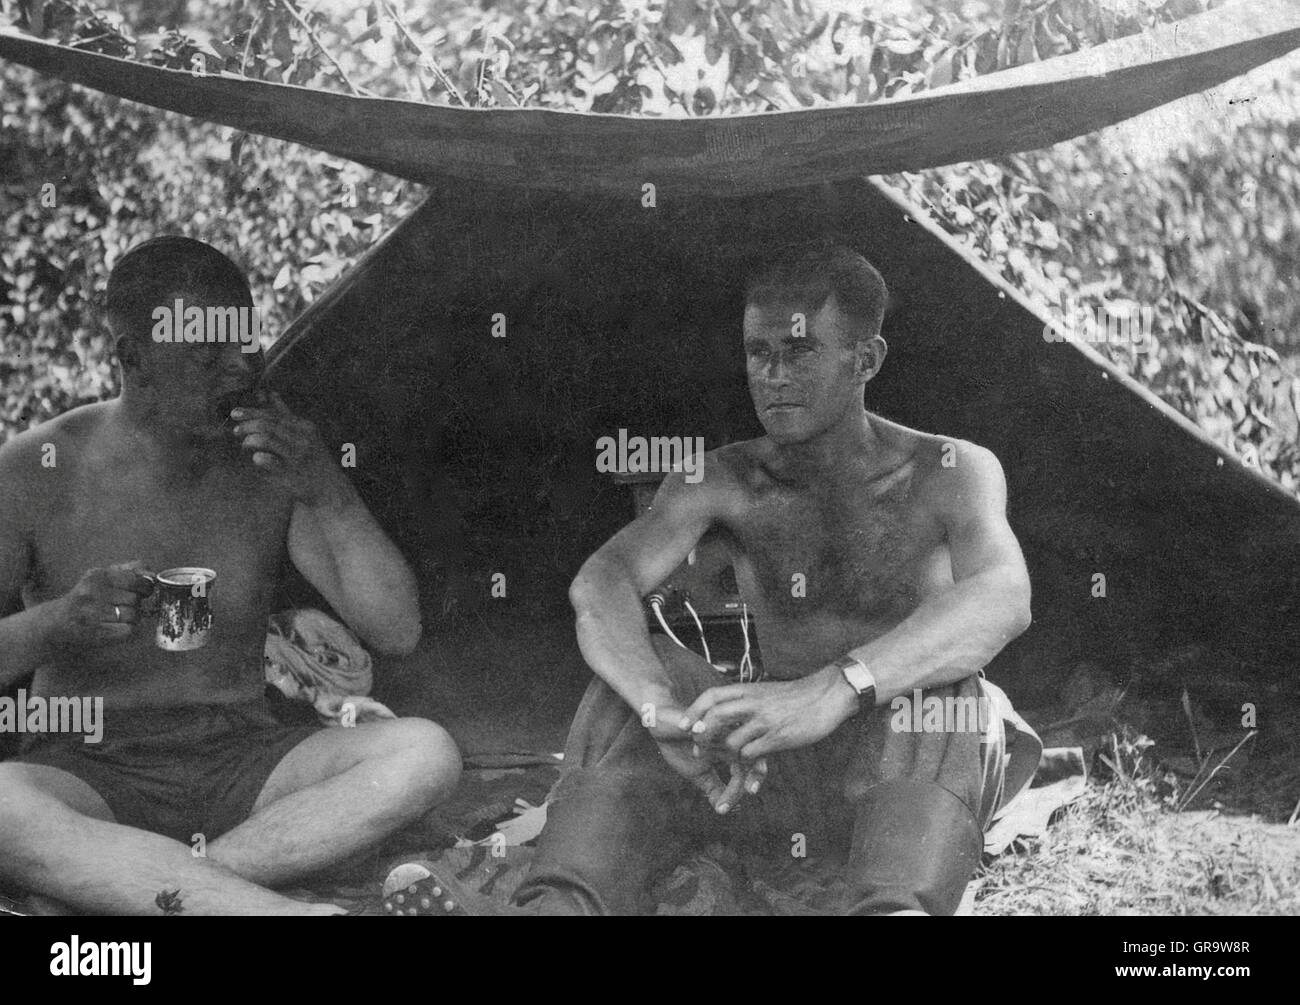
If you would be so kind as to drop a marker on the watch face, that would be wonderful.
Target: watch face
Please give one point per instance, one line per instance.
(859, 677)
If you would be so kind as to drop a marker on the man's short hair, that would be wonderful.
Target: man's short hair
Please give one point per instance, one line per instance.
(157, 271)
(809, 274)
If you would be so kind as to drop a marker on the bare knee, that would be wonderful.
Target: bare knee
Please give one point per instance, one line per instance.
(424, 760)
(45, 783)
(18, 803)
(28, 815)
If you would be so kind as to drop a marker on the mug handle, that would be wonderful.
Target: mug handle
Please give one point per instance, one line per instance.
(149, 605)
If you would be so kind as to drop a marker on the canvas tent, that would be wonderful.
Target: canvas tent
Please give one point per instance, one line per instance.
(479, 451)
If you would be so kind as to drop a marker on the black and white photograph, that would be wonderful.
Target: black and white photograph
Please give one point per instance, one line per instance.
(650, 457)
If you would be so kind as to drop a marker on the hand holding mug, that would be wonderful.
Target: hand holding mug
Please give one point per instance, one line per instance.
(103, 608)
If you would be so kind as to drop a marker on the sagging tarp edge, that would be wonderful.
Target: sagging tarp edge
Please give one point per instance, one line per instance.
(1018, 109)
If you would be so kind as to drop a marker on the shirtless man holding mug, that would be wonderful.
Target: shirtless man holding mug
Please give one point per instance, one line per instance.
(196, 798)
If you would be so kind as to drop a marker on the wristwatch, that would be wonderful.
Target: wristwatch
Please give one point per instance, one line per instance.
(860, 679)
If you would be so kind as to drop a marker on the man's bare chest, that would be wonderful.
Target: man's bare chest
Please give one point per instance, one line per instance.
(221, 520)
(848, 554)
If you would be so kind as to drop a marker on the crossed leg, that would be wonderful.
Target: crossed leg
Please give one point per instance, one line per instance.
(335, 793)
(338, 792)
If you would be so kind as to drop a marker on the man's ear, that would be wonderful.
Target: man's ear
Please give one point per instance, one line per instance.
(870, 355)
(128, 353)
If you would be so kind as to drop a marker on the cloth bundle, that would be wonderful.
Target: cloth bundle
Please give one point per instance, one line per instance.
(311, 657)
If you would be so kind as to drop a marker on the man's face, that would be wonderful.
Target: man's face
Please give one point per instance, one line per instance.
(194, 385)
(801, 384)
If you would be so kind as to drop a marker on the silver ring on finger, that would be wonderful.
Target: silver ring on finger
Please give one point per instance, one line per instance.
(117, 613)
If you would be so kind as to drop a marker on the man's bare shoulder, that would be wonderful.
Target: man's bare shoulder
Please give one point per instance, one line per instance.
(36, 451)
(76, 424)
(715, 488)
(34, 463)
(957, 474)
(737, 470)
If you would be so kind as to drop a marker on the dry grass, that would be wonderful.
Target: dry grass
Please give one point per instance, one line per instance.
(1124, 848)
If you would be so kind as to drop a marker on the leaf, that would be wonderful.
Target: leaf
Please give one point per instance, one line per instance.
(502, 94)
(1049, 43)
(669, 52)
(775, 93)
(818, 27)
(1025, 52)
(36, 17)
(372, 34)
(942, 71)
(602, 61)
(986, 53)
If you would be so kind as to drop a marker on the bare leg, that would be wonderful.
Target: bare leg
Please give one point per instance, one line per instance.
(338, 792)
(58, 838)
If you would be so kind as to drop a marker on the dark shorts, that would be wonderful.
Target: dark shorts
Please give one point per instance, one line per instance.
(178, 772)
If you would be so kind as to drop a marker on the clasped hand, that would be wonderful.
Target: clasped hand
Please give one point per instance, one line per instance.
(737, 726)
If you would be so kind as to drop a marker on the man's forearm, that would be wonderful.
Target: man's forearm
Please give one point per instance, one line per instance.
(950, 636)
(26, 643)
(614, 640)
(376, 592)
